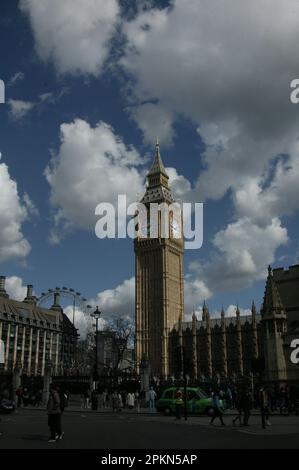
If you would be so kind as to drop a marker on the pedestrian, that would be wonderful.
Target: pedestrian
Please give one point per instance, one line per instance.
(19, 393)
(38, 398)
(120, 401)
(53, 411)
(264, 406)
(114, 401)
(217, 409)
(130, 400)
(86, 398)
(152, 399)
(178, 403)
(229, 397)
(25, 397)
(238, 405)
(63, 402)
(246, 402)
(104, 395)
(137, 401)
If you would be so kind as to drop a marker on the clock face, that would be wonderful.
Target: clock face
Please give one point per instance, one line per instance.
(176, 228)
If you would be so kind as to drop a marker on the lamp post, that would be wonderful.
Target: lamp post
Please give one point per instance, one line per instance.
(96, 314)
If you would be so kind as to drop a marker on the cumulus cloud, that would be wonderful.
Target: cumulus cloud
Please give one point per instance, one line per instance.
(15, 288)
(13, 213)
(211, 61)
(83, 320)
(180, 186)
(196, 291)
(74, 34)
(93, 165)
(231, 310)
(118, 301)
(261, 201)
(18, 109)
(242, 253)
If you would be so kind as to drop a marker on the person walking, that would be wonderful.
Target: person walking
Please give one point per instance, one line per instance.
(86, 398)
(115, 401)
(264, 406)
(137, 401)
(152, 399)
(130, 401)
(178, 403)
(19, 393)
(238, 404)
(53, 411)
(246, 404)
(63, 404)
(217, 408)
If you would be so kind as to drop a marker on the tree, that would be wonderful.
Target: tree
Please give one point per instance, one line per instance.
(122, 333)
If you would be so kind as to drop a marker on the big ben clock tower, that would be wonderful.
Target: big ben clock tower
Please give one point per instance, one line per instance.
(159, 276)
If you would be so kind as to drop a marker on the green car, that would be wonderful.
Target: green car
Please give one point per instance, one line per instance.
(197, 401)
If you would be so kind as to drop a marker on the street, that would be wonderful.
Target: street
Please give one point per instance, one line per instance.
(27, 429)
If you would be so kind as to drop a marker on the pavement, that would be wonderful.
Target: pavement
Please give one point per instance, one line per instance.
(85, 429)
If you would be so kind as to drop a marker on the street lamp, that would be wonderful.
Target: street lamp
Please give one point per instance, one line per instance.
(96, 314)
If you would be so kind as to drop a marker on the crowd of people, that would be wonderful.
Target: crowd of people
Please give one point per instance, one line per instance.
(241, 400)
(115, 400)
(26, 397)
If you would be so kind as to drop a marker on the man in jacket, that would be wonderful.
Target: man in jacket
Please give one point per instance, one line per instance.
(54, 411)
(178, 403)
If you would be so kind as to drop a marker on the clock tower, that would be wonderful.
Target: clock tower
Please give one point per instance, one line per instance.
(159, 285)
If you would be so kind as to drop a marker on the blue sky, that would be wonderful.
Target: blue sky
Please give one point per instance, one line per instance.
(90, 84)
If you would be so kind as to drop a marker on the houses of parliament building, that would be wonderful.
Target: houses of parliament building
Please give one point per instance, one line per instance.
(209, 347)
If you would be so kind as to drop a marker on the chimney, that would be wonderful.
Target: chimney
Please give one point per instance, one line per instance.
(30, 298)
(3, 292)
(56, 305)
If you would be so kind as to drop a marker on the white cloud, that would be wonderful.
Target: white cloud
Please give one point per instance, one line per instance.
(195, 293)
(83, 321)
(115, 302)
(15, 288)
(73, 34)
(226, 66)
(242, 253)
(93, 165)
(119, 301)
(180, 186)
(261, 201)
(231, 310)
(13, 212)
(154, 122)
(18, 109)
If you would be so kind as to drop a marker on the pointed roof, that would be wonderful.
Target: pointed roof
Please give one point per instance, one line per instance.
(272, 300)
(205, 311)
(157, 166)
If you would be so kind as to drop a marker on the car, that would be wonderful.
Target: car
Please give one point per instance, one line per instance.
(6, 406)
(197, 401)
